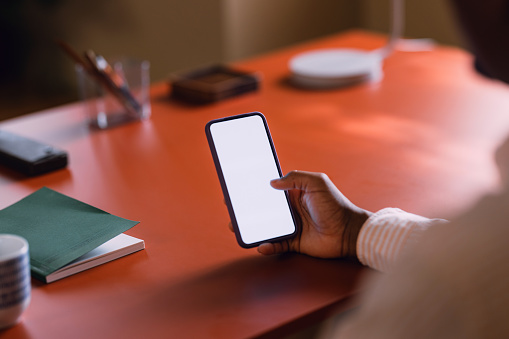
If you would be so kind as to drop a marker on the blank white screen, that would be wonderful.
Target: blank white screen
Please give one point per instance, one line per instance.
(248, 165)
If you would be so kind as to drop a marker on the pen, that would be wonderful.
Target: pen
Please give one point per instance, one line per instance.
(114, 80)
(122, 94)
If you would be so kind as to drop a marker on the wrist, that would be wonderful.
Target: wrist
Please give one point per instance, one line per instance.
(353, 227)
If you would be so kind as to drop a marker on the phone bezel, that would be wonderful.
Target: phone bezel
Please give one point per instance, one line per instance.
(222, 181)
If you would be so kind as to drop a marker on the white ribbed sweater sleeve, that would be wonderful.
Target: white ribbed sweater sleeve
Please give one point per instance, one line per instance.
(386, 233)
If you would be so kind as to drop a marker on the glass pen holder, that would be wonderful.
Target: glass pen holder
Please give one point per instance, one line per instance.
(105, 110)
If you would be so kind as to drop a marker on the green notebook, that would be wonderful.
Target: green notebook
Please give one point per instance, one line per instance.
(59, 229)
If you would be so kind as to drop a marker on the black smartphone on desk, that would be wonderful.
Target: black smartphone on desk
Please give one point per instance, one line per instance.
(246, 161)
(28, 156)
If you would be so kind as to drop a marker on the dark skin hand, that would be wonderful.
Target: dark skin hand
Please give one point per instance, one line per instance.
(329, 223)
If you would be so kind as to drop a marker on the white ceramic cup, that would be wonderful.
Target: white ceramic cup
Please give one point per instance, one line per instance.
(14, 279)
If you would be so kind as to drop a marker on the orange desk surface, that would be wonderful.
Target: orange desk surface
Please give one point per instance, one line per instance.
(421, 139)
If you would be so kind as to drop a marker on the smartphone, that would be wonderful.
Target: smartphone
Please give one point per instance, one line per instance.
(28, 156)
(246, 162)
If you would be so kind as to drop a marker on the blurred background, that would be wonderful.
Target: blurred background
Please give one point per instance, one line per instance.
(175, 35)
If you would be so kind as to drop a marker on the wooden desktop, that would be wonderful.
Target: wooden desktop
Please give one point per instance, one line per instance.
(421, 139)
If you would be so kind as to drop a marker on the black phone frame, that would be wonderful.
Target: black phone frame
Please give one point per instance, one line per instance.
(222, 181)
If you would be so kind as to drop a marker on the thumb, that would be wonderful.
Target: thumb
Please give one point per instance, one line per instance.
(300, 180)
(290, 181)
(280, 184)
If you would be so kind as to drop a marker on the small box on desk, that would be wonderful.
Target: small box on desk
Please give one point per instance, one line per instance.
(212, 83)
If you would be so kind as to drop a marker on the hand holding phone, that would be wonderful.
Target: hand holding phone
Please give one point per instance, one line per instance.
(246, 162)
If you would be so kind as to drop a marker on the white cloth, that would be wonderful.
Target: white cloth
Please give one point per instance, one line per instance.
(386, 234)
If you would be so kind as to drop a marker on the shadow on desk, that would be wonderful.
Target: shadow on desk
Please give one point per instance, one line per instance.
(263, 290)
(21, 331)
